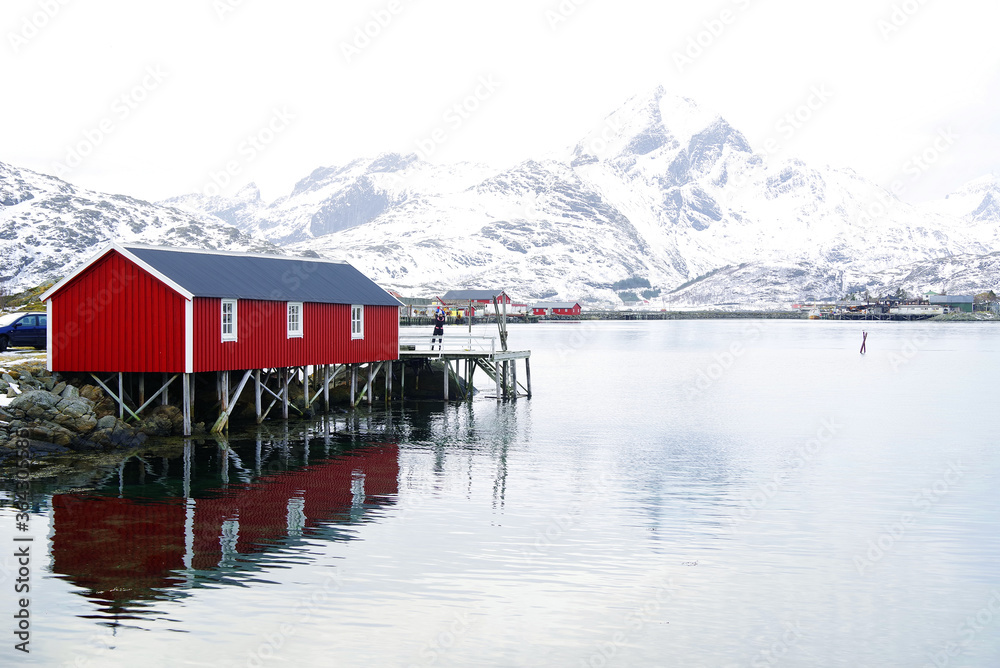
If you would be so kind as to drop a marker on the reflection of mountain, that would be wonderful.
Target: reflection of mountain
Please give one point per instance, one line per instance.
(122, 549)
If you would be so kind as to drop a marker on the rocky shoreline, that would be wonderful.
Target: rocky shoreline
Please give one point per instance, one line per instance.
(56, 417)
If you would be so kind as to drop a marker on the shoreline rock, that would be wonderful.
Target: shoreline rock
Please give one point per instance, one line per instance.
(58, 417)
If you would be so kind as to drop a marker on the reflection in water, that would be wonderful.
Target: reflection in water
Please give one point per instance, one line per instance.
(225, 512)
(123, 549)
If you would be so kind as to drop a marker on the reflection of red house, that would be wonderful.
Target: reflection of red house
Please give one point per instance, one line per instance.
(556, 308)
(122, 549)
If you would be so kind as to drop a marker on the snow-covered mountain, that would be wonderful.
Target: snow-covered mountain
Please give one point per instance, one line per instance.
(662, 194)
(47, 226)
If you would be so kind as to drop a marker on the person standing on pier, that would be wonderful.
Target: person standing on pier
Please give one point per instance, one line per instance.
(438, 328)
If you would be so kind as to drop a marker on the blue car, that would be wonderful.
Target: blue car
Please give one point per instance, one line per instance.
(23, 329)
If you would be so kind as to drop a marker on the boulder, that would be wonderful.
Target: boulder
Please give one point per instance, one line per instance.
(107, 422)
(47, 384)
(75, 407)
(70, 392)
(35, 398)
(83, 424)
(92, 392)
(156, 425)
(57, 389)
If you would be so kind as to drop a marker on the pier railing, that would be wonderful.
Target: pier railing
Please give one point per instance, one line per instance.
(449, 344)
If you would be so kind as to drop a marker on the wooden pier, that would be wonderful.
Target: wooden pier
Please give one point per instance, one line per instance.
(459, 356)
(466, 354)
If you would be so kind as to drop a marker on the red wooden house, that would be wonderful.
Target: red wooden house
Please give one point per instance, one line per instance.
(141, 309)
(555, 308)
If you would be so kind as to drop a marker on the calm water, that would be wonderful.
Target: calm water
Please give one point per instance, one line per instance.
(688, 493)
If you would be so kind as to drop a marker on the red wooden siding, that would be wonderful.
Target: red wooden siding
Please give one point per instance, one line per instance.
(116, 316)
(262, 336)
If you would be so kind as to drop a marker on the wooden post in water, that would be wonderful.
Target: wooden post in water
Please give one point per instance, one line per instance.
(527, 374)
(496, 376)
(513, 379)
(446, 369)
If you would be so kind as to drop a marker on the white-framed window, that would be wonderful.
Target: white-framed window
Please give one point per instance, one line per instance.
(229, 325)
(294, 319)
(357, 322)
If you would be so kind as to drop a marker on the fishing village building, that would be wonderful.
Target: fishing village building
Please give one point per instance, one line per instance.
(144, 310)
(555, 308)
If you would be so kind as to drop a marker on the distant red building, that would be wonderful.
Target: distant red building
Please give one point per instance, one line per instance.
(555, 308)
(146, 309)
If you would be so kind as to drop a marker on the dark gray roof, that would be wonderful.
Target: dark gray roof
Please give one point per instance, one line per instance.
(471, 294)
(271, 278)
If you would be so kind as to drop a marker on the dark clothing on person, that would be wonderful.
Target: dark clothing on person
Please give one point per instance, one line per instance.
(438, 330)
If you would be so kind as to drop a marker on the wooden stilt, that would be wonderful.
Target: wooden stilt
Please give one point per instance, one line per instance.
(121, 397)
(513, 379)
(354, 382)
(388, 381)
(142, 389)
(285, 378)
(402, 379)
(527, 374)
(257, 396)
(496, 375)
(326, 388)
(164, 398)
(371, 380)
(229, 402)
(186, 398)
(224, 390)
(305, 387)
(447, 368)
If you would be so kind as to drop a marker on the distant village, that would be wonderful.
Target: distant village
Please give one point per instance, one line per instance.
(461, 304)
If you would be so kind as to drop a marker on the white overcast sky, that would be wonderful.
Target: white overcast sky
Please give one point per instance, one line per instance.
(225, 66)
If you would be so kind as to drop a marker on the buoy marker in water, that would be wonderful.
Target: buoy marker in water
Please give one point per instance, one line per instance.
(864, 337)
